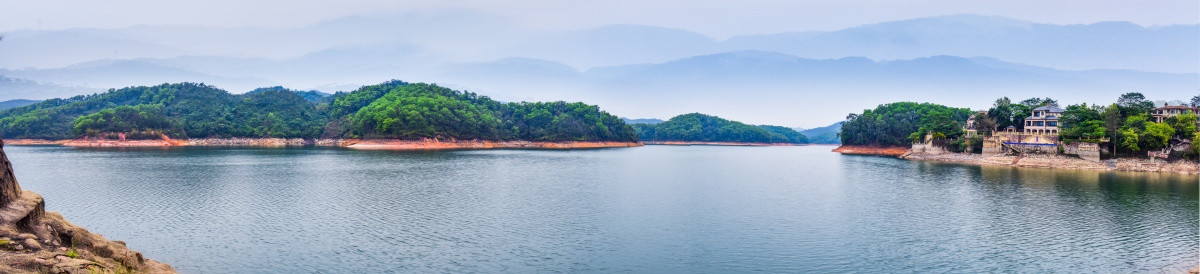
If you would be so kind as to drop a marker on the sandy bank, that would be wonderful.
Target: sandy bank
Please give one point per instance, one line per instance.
(695, 143)
(871, 150)
(431, 144)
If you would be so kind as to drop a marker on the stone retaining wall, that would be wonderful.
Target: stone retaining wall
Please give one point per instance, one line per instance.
(1086, 151)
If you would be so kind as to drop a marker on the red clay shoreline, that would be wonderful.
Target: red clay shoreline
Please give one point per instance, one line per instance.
(360, 144)
(872, 150)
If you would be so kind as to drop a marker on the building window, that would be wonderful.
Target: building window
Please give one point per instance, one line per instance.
(1053, 124)
(1039, 123)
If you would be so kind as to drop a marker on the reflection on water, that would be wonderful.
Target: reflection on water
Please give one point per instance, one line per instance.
(649, 209)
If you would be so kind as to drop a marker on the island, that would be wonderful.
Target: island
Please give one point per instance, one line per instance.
(1133, 134)
(393, 115)
(701, 129)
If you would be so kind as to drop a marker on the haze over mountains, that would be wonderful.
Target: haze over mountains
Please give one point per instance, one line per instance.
(797, 79)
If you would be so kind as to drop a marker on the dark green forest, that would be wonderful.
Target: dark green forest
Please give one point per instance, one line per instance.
(898, 124)
(394, 109)
(696, 127)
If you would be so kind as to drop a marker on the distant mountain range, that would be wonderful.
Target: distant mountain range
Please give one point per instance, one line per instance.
(449, 36)
(824, 135)
(17, 88)
(16, 103)
(632, 70)
(724, 82)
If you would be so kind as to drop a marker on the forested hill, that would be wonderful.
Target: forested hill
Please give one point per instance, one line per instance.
(393, 109)
(897, 124)
(696, 127)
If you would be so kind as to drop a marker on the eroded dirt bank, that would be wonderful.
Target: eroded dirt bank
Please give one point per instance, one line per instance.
(871, 150)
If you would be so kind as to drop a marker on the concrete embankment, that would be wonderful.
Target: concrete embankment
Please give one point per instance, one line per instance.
(872, 150)
(697, 143)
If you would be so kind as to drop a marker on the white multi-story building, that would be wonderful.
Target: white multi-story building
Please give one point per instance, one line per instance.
(1043, 120)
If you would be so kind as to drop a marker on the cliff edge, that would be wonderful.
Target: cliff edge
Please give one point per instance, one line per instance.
(35, 241)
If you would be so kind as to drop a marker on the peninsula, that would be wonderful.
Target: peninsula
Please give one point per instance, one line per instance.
(1133, 134)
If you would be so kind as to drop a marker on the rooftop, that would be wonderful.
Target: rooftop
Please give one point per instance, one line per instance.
(1174, 107)
(1049, 109)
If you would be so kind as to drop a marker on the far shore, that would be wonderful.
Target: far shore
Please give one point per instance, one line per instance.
(701, 143)
(360, 144)
(1033, 160)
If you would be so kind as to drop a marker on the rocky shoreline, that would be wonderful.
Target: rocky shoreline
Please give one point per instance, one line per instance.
(1037, 161)
(361, 144)
(698, 143)
(35, 241)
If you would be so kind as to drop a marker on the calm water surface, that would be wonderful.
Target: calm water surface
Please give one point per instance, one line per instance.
(694, 209)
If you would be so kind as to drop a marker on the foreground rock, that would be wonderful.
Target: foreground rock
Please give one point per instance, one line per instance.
(35, 241)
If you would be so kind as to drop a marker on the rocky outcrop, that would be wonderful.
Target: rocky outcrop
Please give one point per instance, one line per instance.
(10, 191)
(35, 241)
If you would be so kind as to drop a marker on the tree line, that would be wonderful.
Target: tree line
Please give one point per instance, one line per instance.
(393, 109)
(901, 123)
(696, 127)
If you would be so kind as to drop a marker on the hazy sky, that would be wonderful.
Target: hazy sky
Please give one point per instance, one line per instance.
(430, 41)
(716, 18)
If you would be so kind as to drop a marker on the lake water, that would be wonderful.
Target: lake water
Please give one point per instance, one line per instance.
(657, 209)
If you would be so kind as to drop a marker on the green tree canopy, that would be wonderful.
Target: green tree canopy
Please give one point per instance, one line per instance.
(895, 124)
(706, 128)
